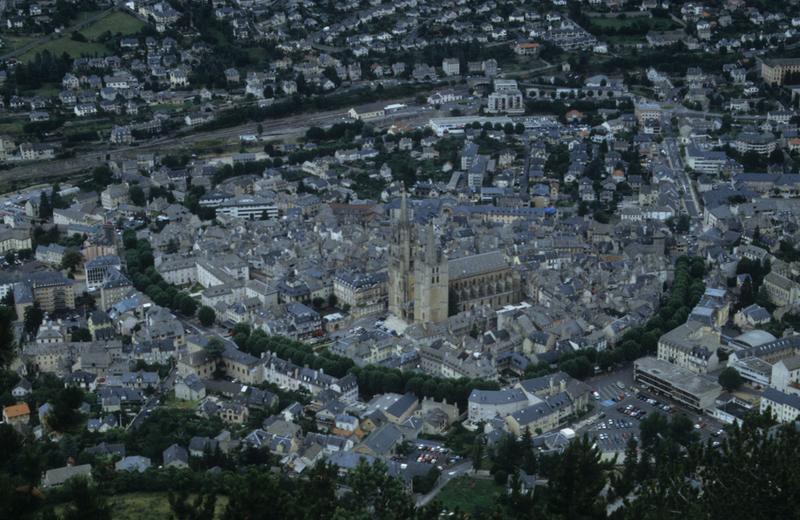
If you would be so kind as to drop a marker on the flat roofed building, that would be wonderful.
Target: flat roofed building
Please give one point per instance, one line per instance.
(695, 391)
(249, 206)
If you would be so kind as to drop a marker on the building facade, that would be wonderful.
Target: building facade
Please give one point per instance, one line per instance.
(425, 286)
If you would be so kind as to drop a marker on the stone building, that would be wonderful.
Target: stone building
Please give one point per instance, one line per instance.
(426, 286)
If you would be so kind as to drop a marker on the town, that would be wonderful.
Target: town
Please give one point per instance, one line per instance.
(399, 260)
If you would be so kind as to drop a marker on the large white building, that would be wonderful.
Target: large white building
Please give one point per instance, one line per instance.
(14, 239)
(455, 125)
(692, 346)
(698, 392)
(784, 407)
(506, 98)
(485, 405)
(250, 206)
(178, 270)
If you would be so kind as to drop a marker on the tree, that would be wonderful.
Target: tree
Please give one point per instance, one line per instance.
(376, 494)
(136, 194)
(425, 483)
(33, 319)
(45, 207)
(81, 335)
(85, 501)
(528, 461)
(215, 347)
(7, 351)
(202, 508)
(206, 315)
(730, 379)
(576, 482)
(71, 260)
(64, 416)
(478, 450)
(624, 484)
(187, 305)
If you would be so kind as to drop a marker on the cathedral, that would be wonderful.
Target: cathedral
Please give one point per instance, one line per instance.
(426, 286)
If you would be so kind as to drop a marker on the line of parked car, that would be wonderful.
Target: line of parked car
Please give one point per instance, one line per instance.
(632, 411)
(656, 403)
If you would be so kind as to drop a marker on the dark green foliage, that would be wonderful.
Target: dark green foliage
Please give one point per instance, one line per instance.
(139, 259)
(33, 319)
(64, 416)
(7, 317)
(730, 379)
(510, 455)
(201, 508)
(206, 315)
(165, 427)
(136, 194)
(85, 502)
(81, 335)
(575, 483)
(425, 483)
(71, 260)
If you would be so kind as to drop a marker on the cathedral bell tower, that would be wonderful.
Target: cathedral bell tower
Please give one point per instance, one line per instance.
(431, 280)
(401, 264)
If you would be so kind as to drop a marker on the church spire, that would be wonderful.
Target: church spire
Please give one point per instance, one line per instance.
(430, 247)
(404, 207)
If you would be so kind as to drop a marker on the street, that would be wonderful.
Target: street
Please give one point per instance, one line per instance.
(447, 476)
(690, 201)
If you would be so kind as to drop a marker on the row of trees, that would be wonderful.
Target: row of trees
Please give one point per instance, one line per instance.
(750, 291)
(141, 269)
(372, 380)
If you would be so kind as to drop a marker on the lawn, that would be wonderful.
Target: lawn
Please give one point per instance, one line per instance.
(11, 127)
(115, 23)
(152, 506)
(68, 45)
(12, 43)
(171, 402)
(655, 24)
(469, 495)
(48, 89)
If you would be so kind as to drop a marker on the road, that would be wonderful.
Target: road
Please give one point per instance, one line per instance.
(143, 414)
(447, 476)
(690, 201)
(52, 36)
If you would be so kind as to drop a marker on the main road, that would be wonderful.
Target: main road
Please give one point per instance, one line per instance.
(690, 200)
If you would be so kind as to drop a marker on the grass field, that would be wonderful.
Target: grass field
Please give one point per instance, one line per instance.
(469, 494)
(177, 403)
(48, 89)
(115, 23)
(655, 24)
(71, 47)
(150, 506)
(11, 127)
(12, 43)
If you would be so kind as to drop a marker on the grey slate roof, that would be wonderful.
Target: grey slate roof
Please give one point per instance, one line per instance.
(473, 265)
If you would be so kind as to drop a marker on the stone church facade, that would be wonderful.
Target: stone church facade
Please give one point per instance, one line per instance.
(426, 286)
